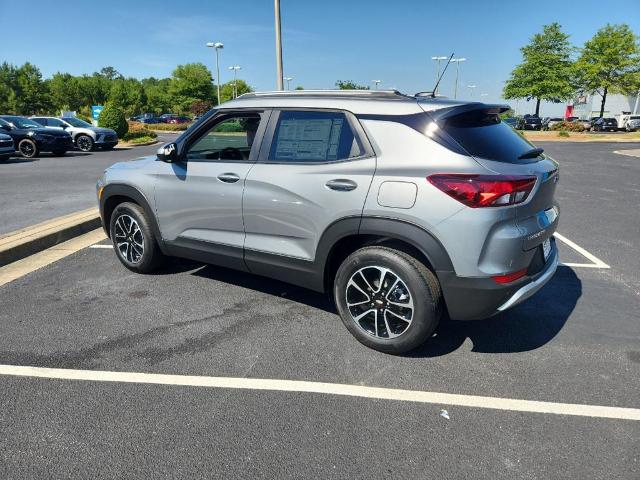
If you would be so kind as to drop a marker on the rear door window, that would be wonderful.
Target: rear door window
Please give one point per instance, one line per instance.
(313, 137)
(483, 135)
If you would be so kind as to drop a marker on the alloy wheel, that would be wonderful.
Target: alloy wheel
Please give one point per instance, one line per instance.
(27, 149)
(379, 302)
(128, 238)
(84, 143)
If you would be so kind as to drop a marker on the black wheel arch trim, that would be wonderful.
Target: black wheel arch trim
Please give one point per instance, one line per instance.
(123, 190)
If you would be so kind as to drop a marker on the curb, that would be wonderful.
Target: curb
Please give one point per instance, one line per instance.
(22, 243)
(133, 145)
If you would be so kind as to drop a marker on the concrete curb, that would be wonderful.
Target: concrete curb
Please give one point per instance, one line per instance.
(22, 243)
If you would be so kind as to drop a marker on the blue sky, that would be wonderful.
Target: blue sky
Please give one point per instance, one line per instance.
(323, 40)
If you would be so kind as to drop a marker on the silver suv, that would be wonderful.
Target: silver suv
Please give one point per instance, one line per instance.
(85, 136)
(403, 207)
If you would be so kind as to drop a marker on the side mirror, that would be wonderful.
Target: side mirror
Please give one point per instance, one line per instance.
(168, 153)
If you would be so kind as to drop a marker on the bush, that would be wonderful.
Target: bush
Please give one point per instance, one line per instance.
(113, 117)
(138, 131)
(143, 139)
(563, 133)
(176, 127)
(568, 127)
(231, 127)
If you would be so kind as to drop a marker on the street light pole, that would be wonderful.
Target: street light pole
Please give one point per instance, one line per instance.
(288, 79)
(376, 82)
(217, 46)
(457, 61)
(235, 69)
(438, 59)
(471, 87)
(278, 45)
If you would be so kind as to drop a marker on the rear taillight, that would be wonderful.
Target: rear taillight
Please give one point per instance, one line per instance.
(484, 190)
(510, 277)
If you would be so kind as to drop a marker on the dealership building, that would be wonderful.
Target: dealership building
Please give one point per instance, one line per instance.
(588, 106)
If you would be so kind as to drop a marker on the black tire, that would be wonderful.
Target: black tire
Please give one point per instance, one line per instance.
(84, 143)
(424, 294)
(151, 257)
(28, 148)
(59, 153)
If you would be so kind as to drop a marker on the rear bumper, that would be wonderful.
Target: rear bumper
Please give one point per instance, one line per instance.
(477, 298)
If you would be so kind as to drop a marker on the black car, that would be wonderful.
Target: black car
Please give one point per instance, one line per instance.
(31, 138)
(529, 122)
(604, 125)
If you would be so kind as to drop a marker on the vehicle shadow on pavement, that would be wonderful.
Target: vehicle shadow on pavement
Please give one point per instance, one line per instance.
(526, 327)
(19, 160)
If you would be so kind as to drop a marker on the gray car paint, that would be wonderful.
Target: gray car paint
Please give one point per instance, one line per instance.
(284, 209)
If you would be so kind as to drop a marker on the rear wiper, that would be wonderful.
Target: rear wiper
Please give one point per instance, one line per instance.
(533, 153)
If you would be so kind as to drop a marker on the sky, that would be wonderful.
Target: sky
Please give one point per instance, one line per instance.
(323, 40)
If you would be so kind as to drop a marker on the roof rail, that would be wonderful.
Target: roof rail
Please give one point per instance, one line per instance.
(328, 93)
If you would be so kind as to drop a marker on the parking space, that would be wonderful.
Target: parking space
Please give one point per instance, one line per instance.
(37, 189)
(574, 343)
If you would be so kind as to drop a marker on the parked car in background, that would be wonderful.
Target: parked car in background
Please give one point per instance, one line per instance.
(178, 119)
(549, 122)
(7, 147)
(604, 125)
(31, 138)
(511, 121)
(633, 123)
(166, 116)
(585, 123)
(85, 136)
(299, 193)
(529, 122)
(146, 118)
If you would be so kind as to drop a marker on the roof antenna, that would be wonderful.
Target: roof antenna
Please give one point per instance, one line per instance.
(435, 89)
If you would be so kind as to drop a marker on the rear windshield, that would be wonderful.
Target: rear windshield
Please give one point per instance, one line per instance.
(483, 135)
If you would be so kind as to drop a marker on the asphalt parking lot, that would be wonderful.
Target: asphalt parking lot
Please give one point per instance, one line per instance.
(33, 190)
(576, 342)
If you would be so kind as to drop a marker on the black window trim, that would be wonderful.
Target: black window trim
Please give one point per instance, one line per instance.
(189, 138)
(357, 129)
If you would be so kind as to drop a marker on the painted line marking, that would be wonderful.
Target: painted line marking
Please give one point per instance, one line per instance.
(299, 386)
(100, 245)
(22, 267)
(597, 263)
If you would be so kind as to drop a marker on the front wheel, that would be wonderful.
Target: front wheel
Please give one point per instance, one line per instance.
(84, 143)
(28, 148)
(387, 299)
(133, 239)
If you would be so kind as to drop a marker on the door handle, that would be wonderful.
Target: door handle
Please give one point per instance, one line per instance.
(341, 185)
(228, 177)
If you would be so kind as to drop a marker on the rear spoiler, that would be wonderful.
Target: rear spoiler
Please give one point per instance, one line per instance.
(489, 109)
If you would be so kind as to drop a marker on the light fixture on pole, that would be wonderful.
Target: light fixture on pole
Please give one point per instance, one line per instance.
(276, 8)
(438, 59)
(376, 83)
(457, 62)
(235, 69)
(217, 46)
(471, 87)
(288, 79)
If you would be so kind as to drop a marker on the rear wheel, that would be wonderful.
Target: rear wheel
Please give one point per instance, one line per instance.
(84, 143)
(28, 148)
(387, 299)
(133, 239)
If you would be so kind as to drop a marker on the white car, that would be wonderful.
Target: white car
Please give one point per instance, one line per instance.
(7, 148)
(85, 136)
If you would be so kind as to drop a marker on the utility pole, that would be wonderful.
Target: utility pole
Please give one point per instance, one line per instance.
(438, 59)
(278, 45)
(457, 62)
(376, 83)
(217, 46)
(235, 69)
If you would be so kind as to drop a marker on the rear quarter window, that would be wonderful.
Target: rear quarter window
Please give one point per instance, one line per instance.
(483, 135)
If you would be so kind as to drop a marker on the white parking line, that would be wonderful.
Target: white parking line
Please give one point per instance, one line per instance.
(298, 386)
(597, 263)
(100, 245)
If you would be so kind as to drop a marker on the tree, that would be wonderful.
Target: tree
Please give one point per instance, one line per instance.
(350, 85)
(109, 73)
(609, 62)
(157, 93)
(226, 90)
(65, 92)
(32, 95)
(113, 117)
(128, 95)
(190, 83)
(8, 100)
(546, 71)
(299, 87)
(200, 107)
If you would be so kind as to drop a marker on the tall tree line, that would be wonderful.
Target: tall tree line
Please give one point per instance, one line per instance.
(23, 91)
(553, 70)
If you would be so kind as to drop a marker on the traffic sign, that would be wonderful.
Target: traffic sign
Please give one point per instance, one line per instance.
(95, 111)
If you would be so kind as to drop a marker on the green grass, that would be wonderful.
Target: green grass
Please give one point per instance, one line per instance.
(143, 139)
